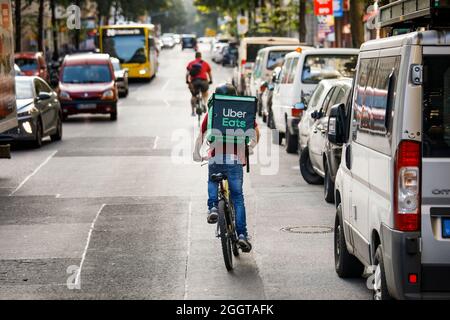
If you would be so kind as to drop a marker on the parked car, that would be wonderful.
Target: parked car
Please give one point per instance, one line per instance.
(300, 75)
(38, 112)
(266, 61)
(267, 89)
(32, 64)
(230, 55)
(320, 159)
(218, 52)
(177, 38)
(315, 103)
(121, 75)
(392, 185)
(167, 41)
(87, 85)
(248, 51)
(189, 41)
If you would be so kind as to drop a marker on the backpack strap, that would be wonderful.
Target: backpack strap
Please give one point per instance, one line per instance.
(247, 157)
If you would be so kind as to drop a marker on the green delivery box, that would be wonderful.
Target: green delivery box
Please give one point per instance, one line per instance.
(231, 119)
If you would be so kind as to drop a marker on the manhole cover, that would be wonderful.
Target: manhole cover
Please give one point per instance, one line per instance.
(308, 229)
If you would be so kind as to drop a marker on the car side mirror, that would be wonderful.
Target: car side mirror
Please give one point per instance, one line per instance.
(44, 96)
(336, 124)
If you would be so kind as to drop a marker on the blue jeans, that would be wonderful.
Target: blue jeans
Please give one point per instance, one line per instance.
(233, 169)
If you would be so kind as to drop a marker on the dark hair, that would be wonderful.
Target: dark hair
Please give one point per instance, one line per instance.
(226, 89)
(198, 54)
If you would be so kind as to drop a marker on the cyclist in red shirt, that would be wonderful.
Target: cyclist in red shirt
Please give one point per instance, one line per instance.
(198, 77)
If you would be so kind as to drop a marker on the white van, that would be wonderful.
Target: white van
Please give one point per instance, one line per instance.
(266, 61)
(248, 50)
(393, 185)
(300, 75)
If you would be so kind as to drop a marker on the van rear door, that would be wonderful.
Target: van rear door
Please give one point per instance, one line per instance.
(436, 169)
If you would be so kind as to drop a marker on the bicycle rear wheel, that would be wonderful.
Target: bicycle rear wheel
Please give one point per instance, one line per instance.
(225, 239)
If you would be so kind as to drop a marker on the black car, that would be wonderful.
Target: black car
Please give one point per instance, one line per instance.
(189, 41)
(38, 111)
(230, 56)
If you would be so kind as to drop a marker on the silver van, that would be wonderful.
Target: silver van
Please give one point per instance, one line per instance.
(393, 185)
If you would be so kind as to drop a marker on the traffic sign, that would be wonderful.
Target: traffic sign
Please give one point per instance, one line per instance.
(323, 7)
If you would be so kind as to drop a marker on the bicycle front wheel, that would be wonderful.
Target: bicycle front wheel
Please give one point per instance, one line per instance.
(225, 238)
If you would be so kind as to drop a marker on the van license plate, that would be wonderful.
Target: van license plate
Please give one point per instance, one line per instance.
(87, 106)
(446, 227)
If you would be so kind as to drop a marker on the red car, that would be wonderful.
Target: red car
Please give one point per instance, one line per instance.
(87, 85)
(32, 64)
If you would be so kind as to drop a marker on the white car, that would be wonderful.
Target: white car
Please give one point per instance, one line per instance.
(168, 42)
(392, 187)
(301, 73)
(266, 61)
(314, 104)
(217, 53)
(248, 50)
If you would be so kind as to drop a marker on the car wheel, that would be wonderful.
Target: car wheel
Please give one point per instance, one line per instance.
(127, 91)
(57, 136)
(277, 137)
(291, 142)
(37, 143)
(380, 291)
(345, 264)
(328, 186)
(270, 123)
(113, 116)
(306, 169)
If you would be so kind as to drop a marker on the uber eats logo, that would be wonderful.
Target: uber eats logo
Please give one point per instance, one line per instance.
(233, 119)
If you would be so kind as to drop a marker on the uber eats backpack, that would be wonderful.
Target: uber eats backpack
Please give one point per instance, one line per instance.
(196, 68)
(231, 119)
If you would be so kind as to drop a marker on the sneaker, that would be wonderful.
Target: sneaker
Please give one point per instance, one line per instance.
(213, 215)
(244, 244)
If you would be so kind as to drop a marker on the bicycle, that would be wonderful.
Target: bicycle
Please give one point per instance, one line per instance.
(226, 226)
(200, 107)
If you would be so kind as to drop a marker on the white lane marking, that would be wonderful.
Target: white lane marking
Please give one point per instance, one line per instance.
(188, 251)
(83, 257)
(33, 173)
(58, 195)
(168, 105)
(155, 143)
(165, 85)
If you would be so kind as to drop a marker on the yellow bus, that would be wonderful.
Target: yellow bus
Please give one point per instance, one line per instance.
(135, 47)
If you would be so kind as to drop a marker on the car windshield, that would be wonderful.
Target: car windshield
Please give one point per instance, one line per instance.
(116, 65)
(127, 48)
(27, 64)
(86, 74)
(319, 67)
(275, 59)
(24, 89)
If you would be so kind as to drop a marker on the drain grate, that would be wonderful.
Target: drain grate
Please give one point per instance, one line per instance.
(308, 229)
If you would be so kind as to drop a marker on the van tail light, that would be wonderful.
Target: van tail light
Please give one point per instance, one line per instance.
(296, 113)
(407, 186)
(243, 62)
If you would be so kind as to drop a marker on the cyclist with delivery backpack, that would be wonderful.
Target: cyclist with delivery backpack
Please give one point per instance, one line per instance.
(231, 131)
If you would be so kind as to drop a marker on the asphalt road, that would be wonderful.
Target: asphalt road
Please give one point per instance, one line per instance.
(117, 210)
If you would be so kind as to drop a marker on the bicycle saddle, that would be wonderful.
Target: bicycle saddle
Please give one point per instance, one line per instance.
(218, 177)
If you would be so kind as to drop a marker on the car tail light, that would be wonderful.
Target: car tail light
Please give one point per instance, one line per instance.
(407, 187)
(296, 112)
(412, 278)
(262, 88)
(243, 62)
